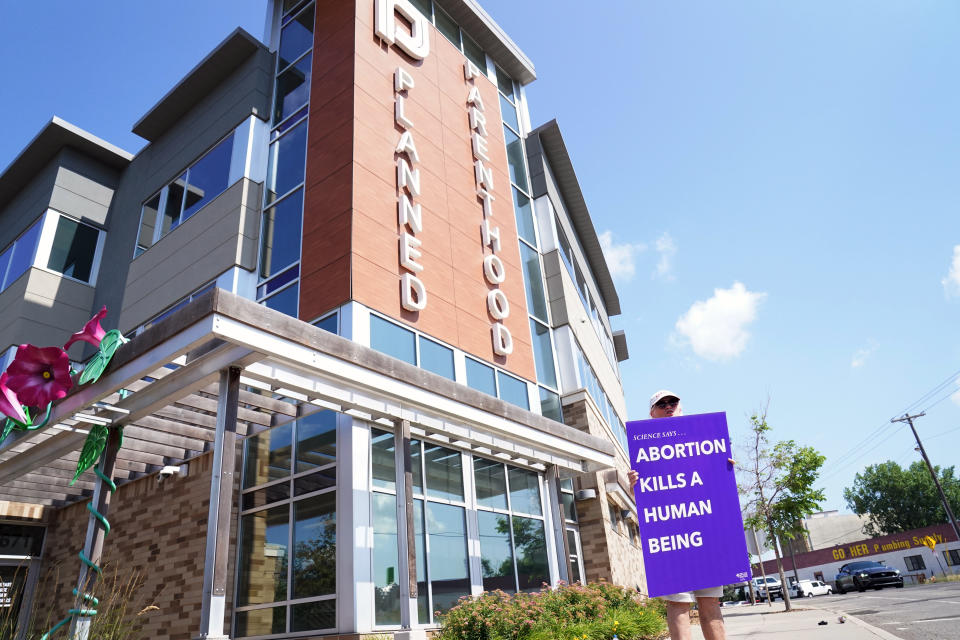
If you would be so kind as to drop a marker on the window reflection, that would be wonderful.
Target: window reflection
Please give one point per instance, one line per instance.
(447, 532)
(392, 339)
(385, 559)
(315, 546)
(286, 162)
(316, 440)
(491, 483)
(296, 37)
(383, 459)
(496, 555)
(524, 491)
(293, 89)
(531, 546)
(263, 553)
(19, 257)
(267, 456)
(444, 472)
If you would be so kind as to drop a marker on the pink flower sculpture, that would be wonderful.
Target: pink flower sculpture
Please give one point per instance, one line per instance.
(9, 404)
(39, 376)
(92, 331)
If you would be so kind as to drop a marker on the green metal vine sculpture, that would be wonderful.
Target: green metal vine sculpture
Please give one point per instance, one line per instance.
(37, 378)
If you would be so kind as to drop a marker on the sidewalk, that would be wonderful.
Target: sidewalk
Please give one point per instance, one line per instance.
(801, 623)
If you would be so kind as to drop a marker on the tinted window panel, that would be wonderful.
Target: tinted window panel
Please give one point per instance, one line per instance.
(286, 162)
(543, 354)
(171, 211)
(315, 546)
(518, 172)
(267, 456)
(280, 235)
(328, 324)
(513, 390)
(384, 461)
(392, 340)
(504, 83)
(491, 483)
(550, 405)
(386, 561)
(533, 281)
(293, 89)
(474, 54)
(21, 254)
(73, 250)
(313, 615)
(447, 531)
(436, 358)
(208, 177)
(263, 556)
(316, 440)
(148, 222)
(285, 301)
(509, 114)
(296, 37)
(262, 622)
(531, 545)
(447, 27)
(524, 491)
(496, 556)
(524, 214)
(444, 472)
(481, 377)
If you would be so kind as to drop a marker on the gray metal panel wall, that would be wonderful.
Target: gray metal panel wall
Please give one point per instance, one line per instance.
(246, 91)
(27, 206)
(43, 308)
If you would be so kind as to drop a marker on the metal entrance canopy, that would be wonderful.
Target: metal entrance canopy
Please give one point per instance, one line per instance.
(163, 388)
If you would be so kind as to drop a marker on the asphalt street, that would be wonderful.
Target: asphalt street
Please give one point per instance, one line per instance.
(923, 612)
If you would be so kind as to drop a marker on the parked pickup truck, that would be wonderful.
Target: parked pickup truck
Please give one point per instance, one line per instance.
(771, 584)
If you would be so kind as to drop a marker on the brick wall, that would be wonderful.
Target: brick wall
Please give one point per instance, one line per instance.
(158, 531)
(609, 552)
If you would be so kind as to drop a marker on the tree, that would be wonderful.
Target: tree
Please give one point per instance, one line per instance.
(897, 499)
(777, 483)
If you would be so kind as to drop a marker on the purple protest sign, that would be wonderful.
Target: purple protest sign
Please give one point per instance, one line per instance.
(687, 502)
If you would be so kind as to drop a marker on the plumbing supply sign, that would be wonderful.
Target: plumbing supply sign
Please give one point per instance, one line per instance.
(687, 503)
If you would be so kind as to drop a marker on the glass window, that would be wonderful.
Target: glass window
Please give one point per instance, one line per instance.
(474, 54)
(285, 168)
(576, 575)
(289, 5)
(329, 323)
(531, 549)
(491, 483)
(481, 377)
(148, 222)
(436, 358)
(915, 563)
(392, 339)
(543, 353)
(386, 556)
(505, 83)
(447, 27)
(524, 213)
(285, 301)
(532, 278)
(566, 252)
(209, 177)
(423, 6)
(315, 546)
(267, 456)
(316, 440)
(416, 464)
(323, 479)
(423, 597)
(447, 531)
(513, 390)
(550, 405)
(19, 257)
(509, 114)
(174, 205)
(73, 250)
(280, 235)
(518, 171)
(952, 557)
(444, 470)
(261, 622)
(496, 555)
(279, 282)
(612, 512)
(314, 615)
(524, 491)
(296, 37)
(263, 556)
(384, 461)
(263, 497)
(569, 507)
(293, 89)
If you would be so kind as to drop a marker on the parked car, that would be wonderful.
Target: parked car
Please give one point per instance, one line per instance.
(867, 574)
(810, 588)
(771, 584)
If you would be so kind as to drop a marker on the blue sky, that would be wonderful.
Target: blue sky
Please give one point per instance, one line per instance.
(776, 184)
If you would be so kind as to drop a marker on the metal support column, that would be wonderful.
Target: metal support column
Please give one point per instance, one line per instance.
(93, 546)
(213, 606)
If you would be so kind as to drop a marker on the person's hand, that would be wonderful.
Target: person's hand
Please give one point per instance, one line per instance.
(634, 477)
(732, 461)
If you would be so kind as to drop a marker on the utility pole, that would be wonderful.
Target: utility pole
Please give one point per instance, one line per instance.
(923, 452)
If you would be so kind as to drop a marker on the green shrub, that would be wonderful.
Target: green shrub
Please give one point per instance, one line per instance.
(569, 612)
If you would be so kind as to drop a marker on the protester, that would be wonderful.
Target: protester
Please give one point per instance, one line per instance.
(666, 404)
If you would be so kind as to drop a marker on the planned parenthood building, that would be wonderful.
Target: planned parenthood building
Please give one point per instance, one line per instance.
(371, 368)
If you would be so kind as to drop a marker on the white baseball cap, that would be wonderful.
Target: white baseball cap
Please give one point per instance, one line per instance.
(659, 395)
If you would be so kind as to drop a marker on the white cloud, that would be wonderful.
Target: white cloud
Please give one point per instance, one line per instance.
(667, 248)
(716, 328)
(620, 257)
(956, 394)
(860, 357)
(951, 283)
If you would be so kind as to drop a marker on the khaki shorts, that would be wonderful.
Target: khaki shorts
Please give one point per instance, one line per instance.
(691, 596)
